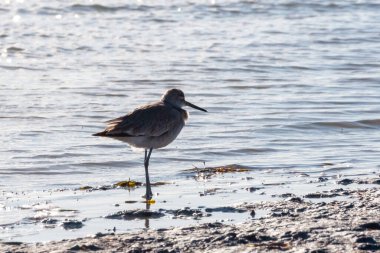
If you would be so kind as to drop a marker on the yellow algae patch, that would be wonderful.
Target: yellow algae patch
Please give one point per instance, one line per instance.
(151, 201)
(84, 188)
(129, 183)
(233, 168)
(159, 183)
(227, 169)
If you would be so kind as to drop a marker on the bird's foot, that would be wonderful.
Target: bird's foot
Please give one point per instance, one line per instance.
(148, 198)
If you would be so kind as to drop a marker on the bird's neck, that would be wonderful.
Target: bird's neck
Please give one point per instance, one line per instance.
(173, 105)
(183, 112)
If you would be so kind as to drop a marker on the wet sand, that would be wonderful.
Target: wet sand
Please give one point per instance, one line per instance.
(335, 220)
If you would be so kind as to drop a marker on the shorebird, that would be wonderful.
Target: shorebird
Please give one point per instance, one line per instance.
(151, 126)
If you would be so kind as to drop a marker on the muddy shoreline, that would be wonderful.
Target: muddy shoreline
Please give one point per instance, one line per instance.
(342, 220)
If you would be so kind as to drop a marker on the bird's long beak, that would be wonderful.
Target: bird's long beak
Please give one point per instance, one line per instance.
(194, 106)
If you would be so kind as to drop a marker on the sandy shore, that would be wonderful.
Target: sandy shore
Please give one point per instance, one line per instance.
(350, 223)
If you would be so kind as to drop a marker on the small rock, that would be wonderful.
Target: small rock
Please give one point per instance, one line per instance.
(99, 235)
(12, 243)
(266, 238)
(369, 226)
(301, 210)
(250, 237)
(300, 235)
(369, 247)
(319, 251)
(253, 189)
(345, 181)
(365, 239)
(72, 224)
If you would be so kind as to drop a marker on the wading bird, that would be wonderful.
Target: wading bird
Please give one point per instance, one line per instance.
(151, 126)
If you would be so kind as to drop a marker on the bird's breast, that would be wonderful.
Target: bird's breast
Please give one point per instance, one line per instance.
(185, 115)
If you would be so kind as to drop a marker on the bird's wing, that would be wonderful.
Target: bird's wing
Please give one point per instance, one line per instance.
(150, 120)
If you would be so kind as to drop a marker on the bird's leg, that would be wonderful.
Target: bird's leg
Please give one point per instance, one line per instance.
(149, 193)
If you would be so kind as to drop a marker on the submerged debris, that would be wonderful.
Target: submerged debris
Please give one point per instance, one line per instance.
(135, 214)
(207, 172)
(225, 209)
(185, 212)
(85, 188)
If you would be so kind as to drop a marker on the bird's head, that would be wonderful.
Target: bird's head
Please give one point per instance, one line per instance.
(176, 98)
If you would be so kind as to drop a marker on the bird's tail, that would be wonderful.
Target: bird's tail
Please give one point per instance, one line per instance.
(104, 133)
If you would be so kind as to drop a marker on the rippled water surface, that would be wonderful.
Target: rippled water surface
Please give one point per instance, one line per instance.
(291, 86)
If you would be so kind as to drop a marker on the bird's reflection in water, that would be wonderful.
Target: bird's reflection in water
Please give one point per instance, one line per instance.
(147, 207)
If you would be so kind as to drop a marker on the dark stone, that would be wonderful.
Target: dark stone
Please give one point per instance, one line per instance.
(252, 213)
(319, 251)
(12, 243)
(253, 189)
(369, 247)
(301, 210)
(85, 248)
(300, 235)
(366, 239)
(250, 238)
(266, 238)
(242, 241)
(345, 181)
(322, 179)
(369, 226)
(72, 224)
(75, 248)
(162, 251)
(99, 235)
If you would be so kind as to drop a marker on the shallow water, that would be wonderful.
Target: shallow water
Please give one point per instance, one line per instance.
(291, 87)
